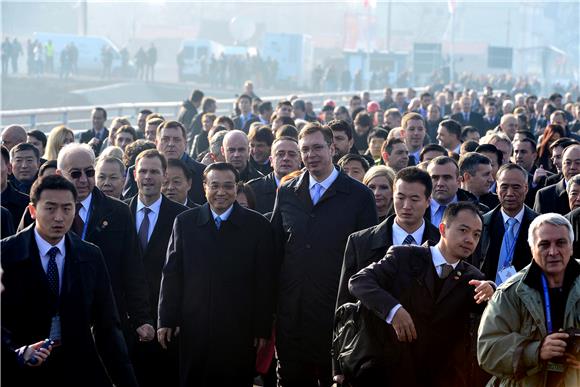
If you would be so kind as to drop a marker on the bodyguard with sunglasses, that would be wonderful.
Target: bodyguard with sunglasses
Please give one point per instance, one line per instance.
(107, 223)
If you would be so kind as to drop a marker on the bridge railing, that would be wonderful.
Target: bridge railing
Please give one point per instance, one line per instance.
(79, 117)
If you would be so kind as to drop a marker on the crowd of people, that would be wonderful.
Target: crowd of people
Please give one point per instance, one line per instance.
(414, 240)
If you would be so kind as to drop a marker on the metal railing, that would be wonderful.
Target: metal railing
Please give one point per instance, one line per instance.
(79, 117)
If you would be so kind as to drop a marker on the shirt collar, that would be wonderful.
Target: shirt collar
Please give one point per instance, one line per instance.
(326, 182)
(435, 205)
(519, 216)
(154, 207)
(87, 202)
(417, 234)
(44, 246)
(438, 258)
(223, 216)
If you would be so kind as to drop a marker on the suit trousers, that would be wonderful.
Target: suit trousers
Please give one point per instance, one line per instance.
(301, 374)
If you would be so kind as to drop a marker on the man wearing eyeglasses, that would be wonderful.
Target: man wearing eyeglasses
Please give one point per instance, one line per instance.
(285, 159)
(108, 223)
(313, 217)
(554, 197)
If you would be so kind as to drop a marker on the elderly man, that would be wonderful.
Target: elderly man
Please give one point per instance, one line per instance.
(519, 338)
(236, 149)
(466, 117)
(110, 176)
(509, 125)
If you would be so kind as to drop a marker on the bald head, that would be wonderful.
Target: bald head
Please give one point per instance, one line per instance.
(13, 135)
(236, 149)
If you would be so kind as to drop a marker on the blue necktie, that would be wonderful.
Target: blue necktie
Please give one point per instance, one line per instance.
(218, 222)
(52, 271)
(438, 216)
(317, 193)
(507, 247)
(409, 240)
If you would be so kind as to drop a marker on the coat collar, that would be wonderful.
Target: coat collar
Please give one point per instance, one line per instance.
(204, 215)
(382, 234)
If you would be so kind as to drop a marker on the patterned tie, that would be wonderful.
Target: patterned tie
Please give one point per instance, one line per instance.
(144, 229)
(52, 270)
(218, 222)
(506, 252)
(317, 193)
(78, 224)
(409, 240)
(446, 269)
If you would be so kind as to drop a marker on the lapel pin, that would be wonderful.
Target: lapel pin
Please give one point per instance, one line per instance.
(104, 224)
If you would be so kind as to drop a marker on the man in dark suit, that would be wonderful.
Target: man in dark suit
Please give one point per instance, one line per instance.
(467, 117)
(490, 119)
(261, 139)
(503, 249)
(426, 294)
(218, 286)
(107, 223)
(285, 158)
(476, 178)
(236, 150)
(178, 183)
(25, 160)
(246, 117)
(99, 133)
(411, 193)
(171, 141)
(444, 173)
(313, 217)
(154, 215)
(554, 197)
(63, 283)
(13, 200)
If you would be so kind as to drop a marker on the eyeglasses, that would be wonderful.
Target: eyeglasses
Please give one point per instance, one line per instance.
(77, 174)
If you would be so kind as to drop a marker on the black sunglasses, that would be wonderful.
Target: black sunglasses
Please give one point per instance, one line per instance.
(78, 174)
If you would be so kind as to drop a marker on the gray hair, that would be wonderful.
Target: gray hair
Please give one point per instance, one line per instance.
(111, 160)
(216, 142)
(574, 180)
(74, 148)
(549, 218)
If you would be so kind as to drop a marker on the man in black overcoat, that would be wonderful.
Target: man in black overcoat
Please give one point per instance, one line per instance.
(57, 287)
(313, 217)
(217, 286)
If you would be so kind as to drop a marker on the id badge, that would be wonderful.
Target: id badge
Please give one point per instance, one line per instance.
(506, 273)
(55, 329)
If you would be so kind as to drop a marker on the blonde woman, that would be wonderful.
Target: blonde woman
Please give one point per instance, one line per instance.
(380, 180)
(58, 137)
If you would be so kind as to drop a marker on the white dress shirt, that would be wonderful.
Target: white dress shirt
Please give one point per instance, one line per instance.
(43, 247)
(399, 234)
(223, 216)
(326, 183)
(84, 210)
(153, 215)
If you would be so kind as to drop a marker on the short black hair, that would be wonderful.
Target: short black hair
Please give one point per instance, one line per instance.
(353, 157)
(341, 126)
(490, 148)
(40, 136)
(47, 165)
(466, 130)
(530, 141)
(444, 160)
(453, 209)
(5, 154)
(196, 95)
(178, 163)
(415, 175)
(24, 146)
(377, 133)
(469, 162)
(563, 142)
(432, 148)
(100, 109)
(527, 133)
(221, 166)
(145, 112)
(389, 145)
(363, 119)
(468, 146)
(261, 134)
(264, 107)
(55, 182)
(453, 127)
(287, 131)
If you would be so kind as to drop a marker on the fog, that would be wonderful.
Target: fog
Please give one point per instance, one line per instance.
(402, 43)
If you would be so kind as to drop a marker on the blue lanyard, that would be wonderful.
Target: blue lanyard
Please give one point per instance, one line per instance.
(547, 301)
(85, 226)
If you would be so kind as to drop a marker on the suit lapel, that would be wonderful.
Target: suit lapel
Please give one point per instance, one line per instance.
(161, 224)
(35, 262)
(427, 271)
(302, 191)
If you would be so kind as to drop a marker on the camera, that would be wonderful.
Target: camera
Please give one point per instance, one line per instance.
(573, 342)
